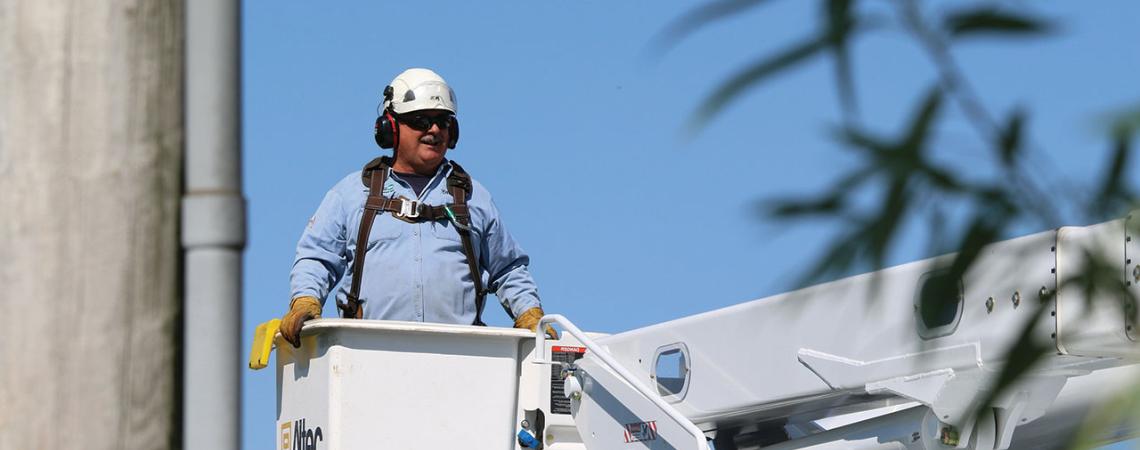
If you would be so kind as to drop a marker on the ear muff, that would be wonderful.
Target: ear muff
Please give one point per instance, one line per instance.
(453, 131)
(387, 132)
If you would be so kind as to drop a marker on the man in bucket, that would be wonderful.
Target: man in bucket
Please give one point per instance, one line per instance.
(435, 244)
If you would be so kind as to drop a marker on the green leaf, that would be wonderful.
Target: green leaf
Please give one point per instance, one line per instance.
(1127, 122)
(868, 245)
(752, 75)
(792, 208)
(944, 179)
(831, 203)
(988, 20)
(697, 18)
(840, 24)
(1114, 193)
(921, 123)
(1021, 357)
(1010, 144)
(843, 80)
(854, 138)
(1117, 413)
(910, 144)
(983, 231)
(895, 206)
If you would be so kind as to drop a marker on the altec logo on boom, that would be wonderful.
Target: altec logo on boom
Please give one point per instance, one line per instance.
(294, 436)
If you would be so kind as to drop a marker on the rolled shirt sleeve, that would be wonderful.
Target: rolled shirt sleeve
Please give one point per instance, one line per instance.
(321, 252)
(506, 264)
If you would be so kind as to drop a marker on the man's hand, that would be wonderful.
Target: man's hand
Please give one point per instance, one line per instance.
(529, 320)
(302, 309)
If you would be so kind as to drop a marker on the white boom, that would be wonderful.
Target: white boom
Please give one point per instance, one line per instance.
(895, 359)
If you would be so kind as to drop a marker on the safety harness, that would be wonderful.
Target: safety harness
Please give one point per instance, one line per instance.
(374, 175)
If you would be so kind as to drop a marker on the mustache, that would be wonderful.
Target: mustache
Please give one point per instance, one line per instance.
(430, 139)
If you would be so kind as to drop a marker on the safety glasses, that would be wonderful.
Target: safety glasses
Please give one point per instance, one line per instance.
(423, 122)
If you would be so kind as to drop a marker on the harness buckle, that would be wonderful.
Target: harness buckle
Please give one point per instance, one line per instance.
(409, 208)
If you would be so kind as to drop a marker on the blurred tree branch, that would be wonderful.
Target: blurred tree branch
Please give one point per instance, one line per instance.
(902, 165)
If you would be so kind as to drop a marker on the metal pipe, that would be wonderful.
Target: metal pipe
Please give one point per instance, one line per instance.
(213, 227)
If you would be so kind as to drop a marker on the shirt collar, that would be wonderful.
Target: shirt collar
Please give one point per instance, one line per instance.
(444, 169)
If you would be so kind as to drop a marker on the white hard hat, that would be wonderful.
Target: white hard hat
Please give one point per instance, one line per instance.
(418, 89)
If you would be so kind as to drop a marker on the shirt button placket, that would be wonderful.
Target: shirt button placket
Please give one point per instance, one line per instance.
(419, 271)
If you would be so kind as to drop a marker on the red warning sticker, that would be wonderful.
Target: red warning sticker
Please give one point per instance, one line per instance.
(562, 348)
(640, 432)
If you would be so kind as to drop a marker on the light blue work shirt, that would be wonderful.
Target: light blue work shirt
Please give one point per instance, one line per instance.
(413, 271)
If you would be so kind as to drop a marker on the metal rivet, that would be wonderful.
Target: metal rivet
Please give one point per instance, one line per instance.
(1052, 313)
(990, 304)
(1043, 294)
(1053, 248)
(1052, 335)
(1016, 298)
(1136, 273)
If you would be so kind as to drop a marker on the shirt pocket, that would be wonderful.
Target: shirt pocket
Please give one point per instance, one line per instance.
(444, 229)
(385, 227)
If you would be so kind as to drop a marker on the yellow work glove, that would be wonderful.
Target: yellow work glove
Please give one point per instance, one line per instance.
(529, 320)
(300, 310)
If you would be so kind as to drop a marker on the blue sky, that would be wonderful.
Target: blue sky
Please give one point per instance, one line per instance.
(579, 134)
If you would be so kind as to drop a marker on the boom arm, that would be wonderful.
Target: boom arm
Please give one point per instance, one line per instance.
(848, 346)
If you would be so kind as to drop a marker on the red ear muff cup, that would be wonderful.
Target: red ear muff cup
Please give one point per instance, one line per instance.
(386, 132)
(453, 132)
(376, 134)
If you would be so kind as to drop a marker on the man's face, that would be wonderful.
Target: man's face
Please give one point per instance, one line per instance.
(423, 140)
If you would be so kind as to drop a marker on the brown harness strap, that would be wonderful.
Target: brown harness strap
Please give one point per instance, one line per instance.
(352, 307)
(458, 184)
(413, 211)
